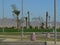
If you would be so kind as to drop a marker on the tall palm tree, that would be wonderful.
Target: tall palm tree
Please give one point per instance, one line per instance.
(46, 20)
(16, 12)
(28, 18)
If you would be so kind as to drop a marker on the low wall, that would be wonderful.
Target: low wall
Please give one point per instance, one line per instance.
(23, 43)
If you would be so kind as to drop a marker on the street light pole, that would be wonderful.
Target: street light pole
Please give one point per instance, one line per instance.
(22, 19)
(55, 32)
(3, 13)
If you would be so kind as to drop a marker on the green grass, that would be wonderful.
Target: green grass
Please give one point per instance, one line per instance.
(27, 30)
(9, 33)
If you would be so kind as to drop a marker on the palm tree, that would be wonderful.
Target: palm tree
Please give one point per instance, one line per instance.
(46, 20)
(42, 25)
(40, 20)
(26, 21)
(16, 12)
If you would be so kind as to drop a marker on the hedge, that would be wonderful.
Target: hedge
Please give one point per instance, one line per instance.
(26, 30)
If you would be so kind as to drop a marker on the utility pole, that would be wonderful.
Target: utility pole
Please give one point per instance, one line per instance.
(3, 13)
(55, 32)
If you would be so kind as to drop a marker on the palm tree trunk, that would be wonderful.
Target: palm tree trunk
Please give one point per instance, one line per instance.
(46, 20)
(26, 22)
(28, 19)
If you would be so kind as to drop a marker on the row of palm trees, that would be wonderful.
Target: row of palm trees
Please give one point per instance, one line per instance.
(16, 12)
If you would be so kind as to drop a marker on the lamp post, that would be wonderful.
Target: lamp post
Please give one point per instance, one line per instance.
(3, 13)
(55, 33)
(22, 19)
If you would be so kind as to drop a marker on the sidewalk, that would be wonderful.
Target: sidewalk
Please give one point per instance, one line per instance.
(52, 43)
